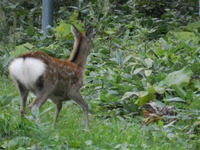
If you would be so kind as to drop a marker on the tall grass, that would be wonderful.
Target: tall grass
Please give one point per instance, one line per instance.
(114, 132)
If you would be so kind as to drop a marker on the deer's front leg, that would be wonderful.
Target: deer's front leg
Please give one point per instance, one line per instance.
(58, 109)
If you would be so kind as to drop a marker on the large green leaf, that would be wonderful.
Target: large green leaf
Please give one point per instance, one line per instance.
(129, 95)
(179, 78)
(20, 49)
(146, 96)
(63, 30)
(187, 36)
(196, 84)
(179, 91)
(193, 26)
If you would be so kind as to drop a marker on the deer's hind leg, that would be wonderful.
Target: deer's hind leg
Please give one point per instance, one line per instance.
(77, 97)
(24, 94)
(42, 90)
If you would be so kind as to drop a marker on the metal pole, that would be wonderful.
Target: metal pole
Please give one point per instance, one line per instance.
(199, 7)
(47, 14)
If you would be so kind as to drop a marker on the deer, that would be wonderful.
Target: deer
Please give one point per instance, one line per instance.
(50, 78)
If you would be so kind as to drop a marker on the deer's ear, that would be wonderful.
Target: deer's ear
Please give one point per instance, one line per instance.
(75, 32)
(90, 33)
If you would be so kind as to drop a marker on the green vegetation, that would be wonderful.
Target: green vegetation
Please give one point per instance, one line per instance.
(144, 51)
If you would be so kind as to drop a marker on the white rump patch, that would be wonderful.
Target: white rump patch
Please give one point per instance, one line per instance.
(27, 70)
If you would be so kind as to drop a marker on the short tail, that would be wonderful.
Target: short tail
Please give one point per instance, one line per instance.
(26, 70)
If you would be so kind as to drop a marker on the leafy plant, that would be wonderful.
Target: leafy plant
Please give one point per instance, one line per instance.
(144, 51)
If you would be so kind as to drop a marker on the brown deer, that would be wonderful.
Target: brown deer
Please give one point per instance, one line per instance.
(49, 77)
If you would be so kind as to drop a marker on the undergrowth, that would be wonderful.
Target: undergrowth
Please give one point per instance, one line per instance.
(138, 57)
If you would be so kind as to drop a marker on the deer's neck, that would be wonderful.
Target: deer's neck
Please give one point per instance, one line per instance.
(80, 52)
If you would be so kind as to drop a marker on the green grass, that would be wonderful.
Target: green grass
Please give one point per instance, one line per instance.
(136, 59)
(114, 132)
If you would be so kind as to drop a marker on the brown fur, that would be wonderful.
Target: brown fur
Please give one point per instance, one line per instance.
(62, 79)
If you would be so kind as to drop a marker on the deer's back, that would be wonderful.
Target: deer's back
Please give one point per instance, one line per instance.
(37, 70)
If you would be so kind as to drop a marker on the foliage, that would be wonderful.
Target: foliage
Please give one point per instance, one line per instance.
(142, 52)
(116, 132)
